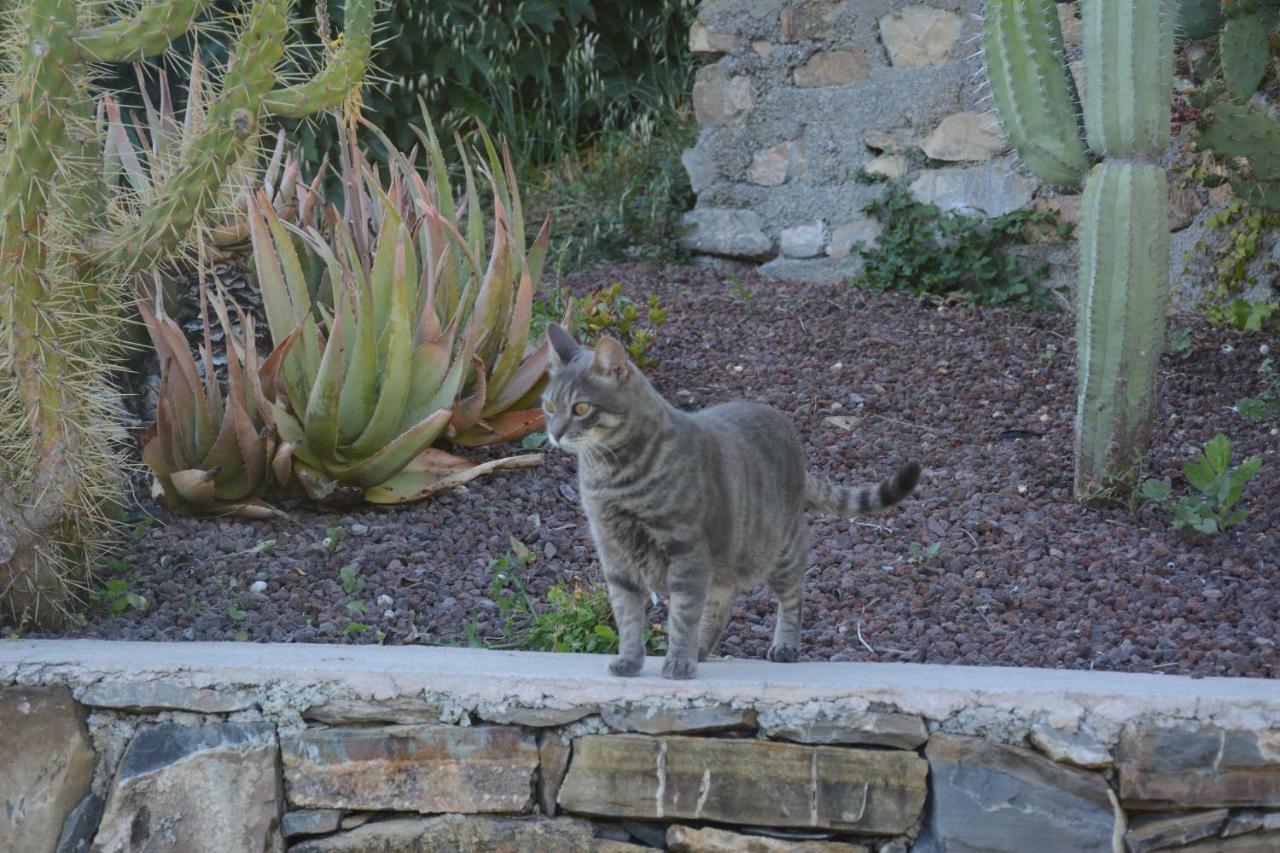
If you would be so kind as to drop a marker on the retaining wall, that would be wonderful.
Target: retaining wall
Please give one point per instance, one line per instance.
(205, 746)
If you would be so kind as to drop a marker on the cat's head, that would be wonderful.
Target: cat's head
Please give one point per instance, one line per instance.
(590, 394)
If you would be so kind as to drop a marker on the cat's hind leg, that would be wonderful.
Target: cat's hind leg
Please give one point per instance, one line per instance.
(715, 615)
(787, 583)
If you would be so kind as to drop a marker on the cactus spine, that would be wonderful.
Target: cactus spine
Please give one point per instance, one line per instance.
(65, 254)
(1123, 293)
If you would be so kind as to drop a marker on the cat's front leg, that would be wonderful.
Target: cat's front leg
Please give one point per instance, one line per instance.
(688, 575)
(627, 599)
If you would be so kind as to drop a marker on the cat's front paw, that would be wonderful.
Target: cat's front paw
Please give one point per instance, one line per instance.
(626, 667)
(678, 668)
(783, 654)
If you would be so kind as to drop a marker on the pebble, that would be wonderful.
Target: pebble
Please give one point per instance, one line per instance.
(385, 600)
(258, 587)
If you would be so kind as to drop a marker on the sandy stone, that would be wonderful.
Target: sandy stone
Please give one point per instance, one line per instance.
(777, 164)
(891, 166)
(411, 768)
(965, 136)
(886, 141)
(724, 231)
(813, 20)
(208, 787)
(803, 241)
(919, 35)
(1069, 212)
(877, 792)
(459, 833)
(403, 710)
(832, 68)
(1198, 767)
(703, 40)
(688, 839)
(843, 237)
(1078, 748)
(722, 100)
(763, 48)
(553, 761)
(1184, 204)
(654, 721)
(46, 764)
(1158, 832)
(869, 728)
(700, 168)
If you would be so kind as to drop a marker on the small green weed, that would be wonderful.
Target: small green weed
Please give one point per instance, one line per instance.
(921, 556)
(1242, 314)
(609, 311)
(741, 294)
(1180, 343)
(1220, 488)
(926, 251)
(116, 596)
(1266, 406)
(350, 577)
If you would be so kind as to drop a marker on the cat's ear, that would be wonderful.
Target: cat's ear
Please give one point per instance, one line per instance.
(610, 360)
(563, 346)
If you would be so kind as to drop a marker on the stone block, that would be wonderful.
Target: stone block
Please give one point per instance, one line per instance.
(803, 241)
(703, 40)
(844, 237)
(1260, 842)
(813, 20)
(868, 728)
(46, 764)
(1250, 820)
(991, 190)
(411, 768)
(874, 792)
(777, 164)
(1184, 204)
(1180, 767)
(654, 721)
(965, 136)
(81, 826)
(919, 35)
(700, 168)
(1159, 832)
(459, 833)
(538, 718)
(688, 839)
(205, 787)
(1005, 799)
(311, 822)
(1079, 748)
(728, 232)
(337, 712)
(147, 697)
(891, 166)
(553, 761)
(833, 68)
(721, 99)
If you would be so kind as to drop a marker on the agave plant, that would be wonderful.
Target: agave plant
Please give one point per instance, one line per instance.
(210, 453)
(394, 334)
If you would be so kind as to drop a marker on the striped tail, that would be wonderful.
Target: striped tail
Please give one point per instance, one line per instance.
(863, 500)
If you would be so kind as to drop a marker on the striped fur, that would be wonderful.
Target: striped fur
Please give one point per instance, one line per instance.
(700, 505)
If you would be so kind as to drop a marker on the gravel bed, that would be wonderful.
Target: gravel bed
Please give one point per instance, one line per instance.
(984, 399)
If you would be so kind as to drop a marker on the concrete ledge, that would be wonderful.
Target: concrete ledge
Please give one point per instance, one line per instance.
(285, 680)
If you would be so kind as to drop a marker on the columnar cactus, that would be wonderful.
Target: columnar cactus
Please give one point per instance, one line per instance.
(65, 253)
(1123, 295)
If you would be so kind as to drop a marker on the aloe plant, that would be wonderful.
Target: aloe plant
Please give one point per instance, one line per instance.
(210, 452)
(401, 325)
(68, 247)
(1123, 294)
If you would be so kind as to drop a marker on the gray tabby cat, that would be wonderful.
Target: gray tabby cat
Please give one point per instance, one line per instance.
(697, 504)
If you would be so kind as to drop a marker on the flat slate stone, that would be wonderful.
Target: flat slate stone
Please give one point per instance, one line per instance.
(1079, 748)
(995, 798)
(1198, 767)
(538, 718)
(1250, 820)
(81, 826)
(147, 697)
(904, 731)
(655, 721)
(688, 839)
(1258, 842)
(1158, 832)
(46, 765)
(553, 761)
(458, 833)
(876, 792)
(339, 712)
(411, 768)
(207, 787)
(311, 822)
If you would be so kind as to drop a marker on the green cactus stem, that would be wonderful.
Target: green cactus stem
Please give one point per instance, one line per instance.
(1198, 19)
(1034, 94)
(1121, 305)
(1245, 53)
(1128, 56)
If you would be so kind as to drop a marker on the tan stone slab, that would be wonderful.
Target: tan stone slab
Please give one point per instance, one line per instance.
(833, 68)
(553, 762)
(1180, 767)
(652, 720)
(876, 792)
(688, 839)
(411, 768)
(915, 36)
(404, 710)
(46, 764)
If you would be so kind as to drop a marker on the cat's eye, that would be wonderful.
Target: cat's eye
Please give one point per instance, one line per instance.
(549, 406)
(580, 409)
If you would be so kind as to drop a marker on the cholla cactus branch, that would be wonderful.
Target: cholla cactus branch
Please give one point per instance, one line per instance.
(147, 33)
(344, 70)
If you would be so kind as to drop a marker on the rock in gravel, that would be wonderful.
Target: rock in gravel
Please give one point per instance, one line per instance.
(655, 720)
(877, 792)
(869, 728)
(411, 768)
(1079, 748)
(688, 839)
(455, 832)
(46, 764)
(996, 798)
(310, 822)
(1205, 766)
(1158, 832)
(206, 787)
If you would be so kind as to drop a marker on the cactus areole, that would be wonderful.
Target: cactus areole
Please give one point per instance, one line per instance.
(1123, 292)
(67, 250)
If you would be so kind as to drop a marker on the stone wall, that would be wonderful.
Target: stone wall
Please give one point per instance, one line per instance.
(801, 95)
(191, 747)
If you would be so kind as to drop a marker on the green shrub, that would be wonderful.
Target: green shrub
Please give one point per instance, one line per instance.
(1219, 485)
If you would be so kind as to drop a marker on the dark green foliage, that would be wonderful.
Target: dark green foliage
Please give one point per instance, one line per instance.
(1266, 406)
(1198, 19)
(926, 251)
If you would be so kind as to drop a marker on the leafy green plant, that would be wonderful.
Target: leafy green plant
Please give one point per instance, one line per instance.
(1219, 485)
(920, 556)
(1180, 343)
(333, 538)
(609, 311)
(115, 594)
(1244, 315)
(1266, 406)
(349, 575)
(924, 250)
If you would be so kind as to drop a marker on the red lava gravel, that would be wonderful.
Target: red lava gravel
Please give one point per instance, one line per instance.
(984, 399)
